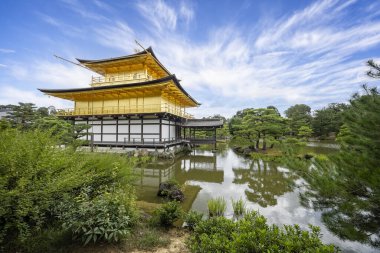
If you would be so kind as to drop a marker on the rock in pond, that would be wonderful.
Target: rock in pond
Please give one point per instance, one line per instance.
(171, 191)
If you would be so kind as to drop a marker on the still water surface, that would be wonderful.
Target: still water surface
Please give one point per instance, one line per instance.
(267, 187)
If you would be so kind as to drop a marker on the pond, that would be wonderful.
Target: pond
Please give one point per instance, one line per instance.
(267, 187)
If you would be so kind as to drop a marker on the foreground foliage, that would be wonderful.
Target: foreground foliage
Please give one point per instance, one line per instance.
(167, 214)
(37, 176)
(346, 186)
(252, 234)
(107, 217)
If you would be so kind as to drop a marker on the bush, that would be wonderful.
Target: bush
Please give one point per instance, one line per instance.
(167, 214)
(36, 175)
(252, 234)
(107, 217)
(192, 219)
(216, 207)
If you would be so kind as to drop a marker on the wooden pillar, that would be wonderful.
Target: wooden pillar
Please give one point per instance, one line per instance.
(101, 130)
(129, 130)
(169, 128)
(142, 129)
(117, 129)
(160, 130)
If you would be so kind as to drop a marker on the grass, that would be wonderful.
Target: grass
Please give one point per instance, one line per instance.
(216, 207)
(239, 207)
(150, 238)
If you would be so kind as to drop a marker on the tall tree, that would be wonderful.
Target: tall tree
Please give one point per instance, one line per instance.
(328, 119)
(347, 186)
(23, 115)
(299, 115)
(259, 125)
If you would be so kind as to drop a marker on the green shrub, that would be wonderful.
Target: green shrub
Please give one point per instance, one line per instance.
(167, 214)
(106, 217)
(252, 234)
(216, 207)
(36, 175)
(192, 219)
(238, 206)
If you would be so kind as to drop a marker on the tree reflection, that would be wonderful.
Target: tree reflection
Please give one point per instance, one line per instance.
(266, 182)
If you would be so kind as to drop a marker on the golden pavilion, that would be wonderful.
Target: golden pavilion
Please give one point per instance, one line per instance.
(134, 101)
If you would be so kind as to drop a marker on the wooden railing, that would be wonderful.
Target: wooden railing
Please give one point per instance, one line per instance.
(129, 78)
(108, 110)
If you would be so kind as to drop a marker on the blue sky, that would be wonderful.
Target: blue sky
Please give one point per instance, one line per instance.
(229, 55)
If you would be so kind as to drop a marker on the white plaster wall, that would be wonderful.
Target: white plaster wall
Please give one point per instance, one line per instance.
(97, 137)
(94, 129)
(136, 129)
(165, 131)
(122, 136)
(151, 129)
(109, 137)
(151, 121)
(109, 128)
(109, 122)
(123, 129)
(172, 132)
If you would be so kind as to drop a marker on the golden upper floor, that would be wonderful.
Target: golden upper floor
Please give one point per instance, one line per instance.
(140, 67)
(137, 83)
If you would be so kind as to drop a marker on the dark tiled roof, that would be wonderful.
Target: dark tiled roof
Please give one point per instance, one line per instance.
(203, 123)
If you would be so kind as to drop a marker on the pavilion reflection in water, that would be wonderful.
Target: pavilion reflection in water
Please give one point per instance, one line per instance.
(196, 167)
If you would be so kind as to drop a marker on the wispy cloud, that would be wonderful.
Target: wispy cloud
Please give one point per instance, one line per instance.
(12, 95)
(64, 28)
(306, 57)
(159, 14)
(49, 74)
(6, 50)
(310, 56)
(84, 10)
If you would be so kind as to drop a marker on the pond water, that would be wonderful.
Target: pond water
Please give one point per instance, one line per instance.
(269, 188)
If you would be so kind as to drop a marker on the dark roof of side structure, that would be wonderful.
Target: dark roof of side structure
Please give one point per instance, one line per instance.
(203, 123)
(156, 81)
(149, 50)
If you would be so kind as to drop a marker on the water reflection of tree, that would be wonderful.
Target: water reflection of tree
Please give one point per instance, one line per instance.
(265, 181)
(347, 217)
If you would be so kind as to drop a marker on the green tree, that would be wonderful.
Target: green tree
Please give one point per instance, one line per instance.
(328, 119)
(298, 115)
(259, 125)
(374, 69)
(347, 186)
(23, 115)
(305, 132)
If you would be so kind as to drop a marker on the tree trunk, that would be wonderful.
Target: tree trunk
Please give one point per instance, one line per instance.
(258, 141)
(264, 142)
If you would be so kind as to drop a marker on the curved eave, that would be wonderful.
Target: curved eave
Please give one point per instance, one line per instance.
(149, 50)
(119, 86)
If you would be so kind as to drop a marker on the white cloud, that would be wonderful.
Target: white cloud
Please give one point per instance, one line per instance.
(186, 13)
(64, 28)
(310, 56)
(47, 74)
(6, 50)
(12, 95)
(116, 35)
(159, 14)
(3, 65)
